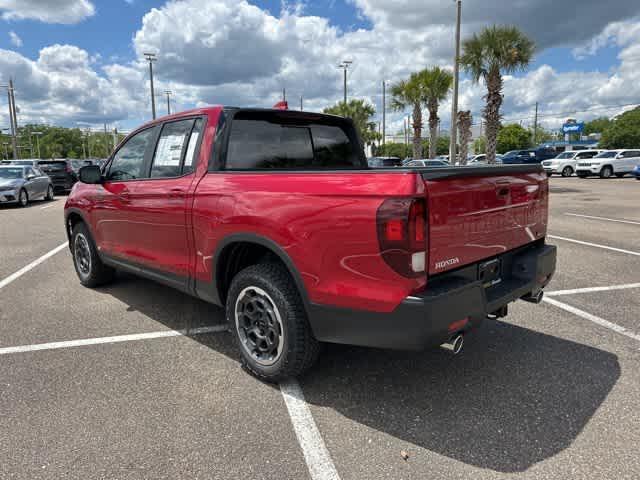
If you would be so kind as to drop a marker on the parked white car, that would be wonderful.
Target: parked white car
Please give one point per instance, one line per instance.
(611, 162)
(565, 163)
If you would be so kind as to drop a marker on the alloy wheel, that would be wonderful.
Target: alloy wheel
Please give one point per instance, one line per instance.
(259, 325)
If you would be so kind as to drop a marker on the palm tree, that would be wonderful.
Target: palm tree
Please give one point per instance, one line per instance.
(487, 55)
(360, 112)
(410, 93)
(436, 84)
(464, 134)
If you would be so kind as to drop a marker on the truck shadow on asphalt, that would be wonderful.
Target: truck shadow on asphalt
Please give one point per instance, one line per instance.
(515, 397)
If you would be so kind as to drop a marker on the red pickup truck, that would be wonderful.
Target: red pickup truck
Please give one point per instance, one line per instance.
(276, 216)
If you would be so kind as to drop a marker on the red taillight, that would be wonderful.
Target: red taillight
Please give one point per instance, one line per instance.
(402, 233)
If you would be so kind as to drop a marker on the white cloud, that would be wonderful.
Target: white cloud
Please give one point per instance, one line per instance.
(48, 11)
(234, 53)
(15, 40)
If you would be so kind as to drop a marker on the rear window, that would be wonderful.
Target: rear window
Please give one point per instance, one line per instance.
(266, 141)
(53, 165)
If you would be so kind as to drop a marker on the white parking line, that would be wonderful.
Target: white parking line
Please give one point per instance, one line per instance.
(47, 206)
(592, 289)
(602, 218)
(597, 245)
(315, 452)
(115, 339)
(593, 318)
(6, 281)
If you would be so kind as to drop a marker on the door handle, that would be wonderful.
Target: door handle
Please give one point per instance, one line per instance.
(125, 196)
(503, 192)
(176, 193)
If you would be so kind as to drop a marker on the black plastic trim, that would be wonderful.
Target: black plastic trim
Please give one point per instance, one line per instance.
(423, 320)
(210, 291)
(172, 280)
(439, 173)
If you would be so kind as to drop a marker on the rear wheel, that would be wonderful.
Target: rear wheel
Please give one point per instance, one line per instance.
(567, 171)
(269, 322)
(50, 193)
(606, 172)
(23, 198)
(90, 269)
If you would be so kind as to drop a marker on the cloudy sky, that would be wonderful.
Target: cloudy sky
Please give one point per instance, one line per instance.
(77, 62)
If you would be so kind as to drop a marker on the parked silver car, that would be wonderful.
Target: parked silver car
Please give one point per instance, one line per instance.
(20, 184)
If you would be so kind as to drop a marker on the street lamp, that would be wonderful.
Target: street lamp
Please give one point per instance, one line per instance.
(345, 66)
(168, 93)
(151, 57)
(454, 103)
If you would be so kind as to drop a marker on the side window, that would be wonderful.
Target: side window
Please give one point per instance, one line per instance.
(258, 144)
(190, 158)
(171, 145)
(128, 162)
(585, 155)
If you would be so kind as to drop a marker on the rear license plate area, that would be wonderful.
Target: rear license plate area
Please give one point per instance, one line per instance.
(490, 272)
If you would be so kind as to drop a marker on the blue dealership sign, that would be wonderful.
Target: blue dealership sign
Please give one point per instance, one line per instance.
(573, 127)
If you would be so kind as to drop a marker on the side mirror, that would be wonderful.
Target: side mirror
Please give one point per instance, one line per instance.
(30, 177)
(621, 155)
(90, 174)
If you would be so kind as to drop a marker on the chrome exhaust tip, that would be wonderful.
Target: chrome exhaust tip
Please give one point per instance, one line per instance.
(534, 297)
(454, 345)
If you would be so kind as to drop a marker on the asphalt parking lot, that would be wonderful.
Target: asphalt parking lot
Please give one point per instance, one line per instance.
(552, 391)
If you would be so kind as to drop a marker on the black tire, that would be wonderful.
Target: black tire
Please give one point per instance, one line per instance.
(567, 171)
(606, 172)
(23, 198)
(549, 174)
(50, 193)
(90, 269)
(619, 175)
(276, 308)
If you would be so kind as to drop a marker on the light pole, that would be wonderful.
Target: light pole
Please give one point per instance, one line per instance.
(384, 111)
(454, 102)
(37, 134)
(151, 57)
(345, 66)
(12, 117)
(168, 93)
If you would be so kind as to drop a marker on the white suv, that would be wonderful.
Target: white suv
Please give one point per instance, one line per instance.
(565, 163)
(611, 162)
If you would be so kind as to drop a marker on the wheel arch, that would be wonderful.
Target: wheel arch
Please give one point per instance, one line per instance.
(240, 250)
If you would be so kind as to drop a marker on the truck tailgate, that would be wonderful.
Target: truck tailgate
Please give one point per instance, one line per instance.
(476, 213)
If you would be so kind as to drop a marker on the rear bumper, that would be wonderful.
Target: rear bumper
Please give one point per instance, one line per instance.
(424, 320)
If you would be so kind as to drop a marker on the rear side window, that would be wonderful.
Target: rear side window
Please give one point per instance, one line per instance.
(171, 144)
(586, 155)
(268, 143)
(128, 162)
(190, 157)
(53, 165)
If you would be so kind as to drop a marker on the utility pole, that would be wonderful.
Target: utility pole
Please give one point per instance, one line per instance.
(151, 57)
(115, 137)
(284, 94)
(13, 123)
(37, 134)
(168, 93)
(345, 66)
(384, 111)
(300, 102)
(535, 127)
(454, 103)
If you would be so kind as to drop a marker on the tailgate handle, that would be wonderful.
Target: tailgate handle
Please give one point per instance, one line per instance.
(503, 192)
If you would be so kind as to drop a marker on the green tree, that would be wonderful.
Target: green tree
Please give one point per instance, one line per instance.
(513, 137)
(393, 149)
(480, 145)
(597, 125)
(487, 55)
(623, 132)
(442, 145)
(360, 112)
(410, 93)
(436, 84)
